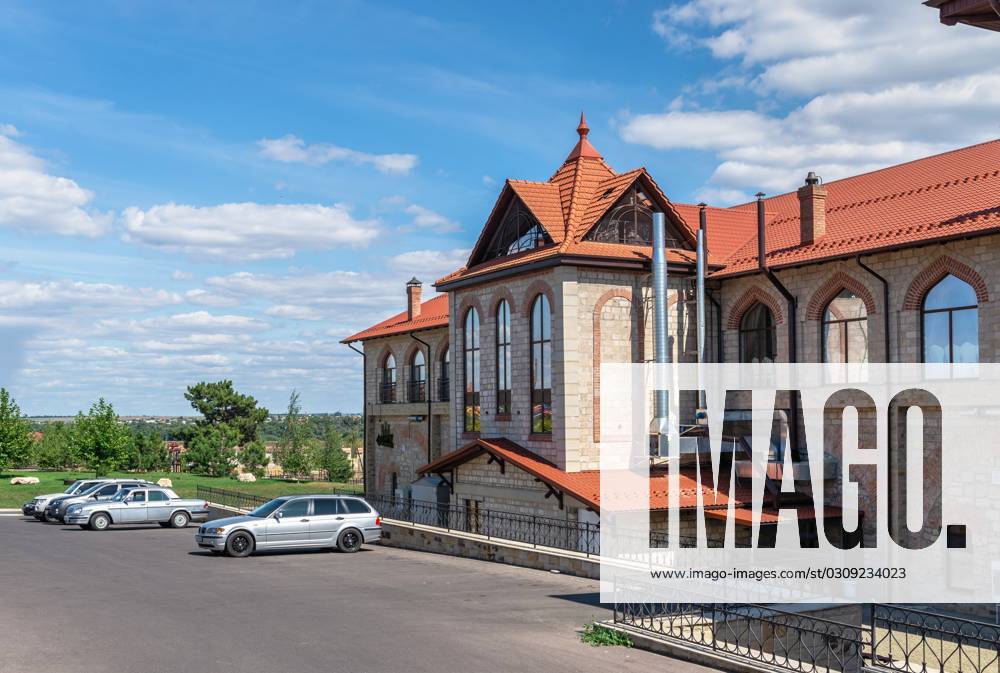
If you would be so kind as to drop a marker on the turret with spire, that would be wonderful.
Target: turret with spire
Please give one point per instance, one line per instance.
(583, 147)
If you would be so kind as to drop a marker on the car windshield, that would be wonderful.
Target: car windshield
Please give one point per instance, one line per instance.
(93, 489)
(267, 509)
(72, 487)
(120, 495)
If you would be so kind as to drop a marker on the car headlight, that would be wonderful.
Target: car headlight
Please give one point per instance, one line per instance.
(215, 531)
(74, 509)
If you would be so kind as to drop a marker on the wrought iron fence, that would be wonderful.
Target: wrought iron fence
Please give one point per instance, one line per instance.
(914, 641)
(228, 498)
(417, 391)
(387, 393)
(775, 638)
(539, 531)
(444, 389)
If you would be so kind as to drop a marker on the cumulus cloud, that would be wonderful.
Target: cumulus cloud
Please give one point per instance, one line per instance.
(863, 85)
(430, 263)
(246, 230)
(293, 312)
(185, 324)
(292, 149)
(425, 218)
(32, 199)
(60, 297)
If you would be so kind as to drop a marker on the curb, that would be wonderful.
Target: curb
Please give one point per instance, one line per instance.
(10, 511)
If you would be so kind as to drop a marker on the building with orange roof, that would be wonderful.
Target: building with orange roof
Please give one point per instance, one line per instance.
(896, 265)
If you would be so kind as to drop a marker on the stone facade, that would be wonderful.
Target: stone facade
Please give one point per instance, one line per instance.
(405, 422)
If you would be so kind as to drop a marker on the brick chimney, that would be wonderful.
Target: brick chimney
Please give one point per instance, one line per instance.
(812, 209)
(413, 291)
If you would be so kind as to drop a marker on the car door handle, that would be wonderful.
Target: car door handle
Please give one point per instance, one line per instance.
(340, 518)
(303, 520)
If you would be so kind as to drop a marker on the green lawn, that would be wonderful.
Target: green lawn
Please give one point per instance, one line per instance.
(185, 484)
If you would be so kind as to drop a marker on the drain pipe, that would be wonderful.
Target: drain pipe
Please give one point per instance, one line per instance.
(364, 417)
(701, 263)
(427, 390)
(885, 301)
(793, 407)
(660, 278)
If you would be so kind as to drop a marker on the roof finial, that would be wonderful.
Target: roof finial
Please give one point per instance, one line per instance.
(583, 129)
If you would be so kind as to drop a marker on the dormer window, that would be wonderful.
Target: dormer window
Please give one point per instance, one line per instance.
(629, 221)
(518, 231)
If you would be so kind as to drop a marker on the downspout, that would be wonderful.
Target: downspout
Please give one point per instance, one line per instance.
(427, 391)
(660, 277)
(793, 407)
(364, 417)
(885, 298)
(702, 253)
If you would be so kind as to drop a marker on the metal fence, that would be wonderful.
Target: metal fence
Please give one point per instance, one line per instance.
(914, 641)
(530, 529)
(758, 633)
(228, 498)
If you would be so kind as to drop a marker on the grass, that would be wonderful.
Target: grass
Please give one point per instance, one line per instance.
(596, 635)
(186, 485)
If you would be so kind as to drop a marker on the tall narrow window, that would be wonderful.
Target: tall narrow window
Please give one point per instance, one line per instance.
(951, 322)
(387, 393)
(472, 408)
(444, 382)
(758, 335)
(418, 377)
(503, 358)
(541, 366)
(845, 329)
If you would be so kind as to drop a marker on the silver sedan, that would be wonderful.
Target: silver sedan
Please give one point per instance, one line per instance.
(295, 522)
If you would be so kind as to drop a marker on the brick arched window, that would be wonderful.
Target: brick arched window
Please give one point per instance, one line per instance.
(418, 377)
(758, 334)
(387, 385)
(503, 359)
(471, 367)
(950, 322)
(845, 329)
(541, 366)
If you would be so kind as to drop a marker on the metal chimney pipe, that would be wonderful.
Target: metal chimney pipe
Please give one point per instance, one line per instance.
(660, 306)
(701, 264)
(761, 242)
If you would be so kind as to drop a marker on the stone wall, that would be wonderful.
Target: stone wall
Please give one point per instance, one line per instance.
(406, 422)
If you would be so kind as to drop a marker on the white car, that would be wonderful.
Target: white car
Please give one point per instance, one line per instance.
(39, 503)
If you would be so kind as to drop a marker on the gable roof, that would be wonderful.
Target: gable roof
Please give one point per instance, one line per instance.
(948, 195)
(433, 313)
(568, 205)
(584, 486)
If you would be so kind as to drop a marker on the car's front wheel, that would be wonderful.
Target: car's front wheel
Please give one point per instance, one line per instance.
(179, 520)
(240, 545)
(100, 522)
(350, 540)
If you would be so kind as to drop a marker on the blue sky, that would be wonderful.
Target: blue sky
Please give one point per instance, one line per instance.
(224, 190)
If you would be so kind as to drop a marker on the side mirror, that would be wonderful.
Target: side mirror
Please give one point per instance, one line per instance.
(277, 516)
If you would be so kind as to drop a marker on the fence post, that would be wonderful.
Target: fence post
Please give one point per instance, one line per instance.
(714, 630)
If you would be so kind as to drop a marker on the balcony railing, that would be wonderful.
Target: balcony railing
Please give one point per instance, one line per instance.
(387, 393)
(444, 389)
(417, 391)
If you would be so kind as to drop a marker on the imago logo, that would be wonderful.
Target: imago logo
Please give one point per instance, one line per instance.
(830, 473)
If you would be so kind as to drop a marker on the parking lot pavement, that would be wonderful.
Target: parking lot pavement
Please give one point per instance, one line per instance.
(75, 600)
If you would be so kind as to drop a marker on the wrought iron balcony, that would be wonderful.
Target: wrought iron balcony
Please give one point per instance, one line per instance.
(444, 389)
(417, 391)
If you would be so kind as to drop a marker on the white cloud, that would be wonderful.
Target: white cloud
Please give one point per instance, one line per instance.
(177, 274)
(294, 312)
(60, 297)
(185, 324)
(33, 200)
(246, 230)
(292, 149)
(431, 263)
(425, 218)
(882, 83)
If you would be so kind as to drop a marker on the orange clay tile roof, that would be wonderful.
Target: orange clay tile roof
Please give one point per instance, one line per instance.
(568, 205)
(944, 196)
(433, 313)
(585, 486)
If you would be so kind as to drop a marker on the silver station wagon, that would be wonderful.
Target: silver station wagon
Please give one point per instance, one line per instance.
(304, 521)
(138, 506)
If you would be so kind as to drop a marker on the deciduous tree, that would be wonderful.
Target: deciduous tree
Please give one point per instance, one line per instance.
(100, 438)
(15, 433)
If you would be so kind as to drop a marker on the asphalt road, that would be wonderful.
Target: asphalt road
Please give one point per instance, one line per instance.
(145, 598)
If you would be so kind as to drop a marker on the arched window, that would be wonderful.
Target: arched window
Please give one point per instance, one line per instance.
(845, 329)
(758, 335)
(418, 377)
(444, 387)
(518, 231)
(541, 366)
(387, 391)
(503, 358)
(951, 322)
(628, 221)
(472, 408)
